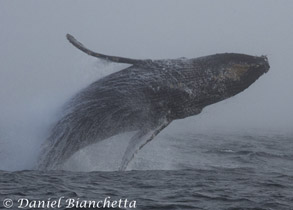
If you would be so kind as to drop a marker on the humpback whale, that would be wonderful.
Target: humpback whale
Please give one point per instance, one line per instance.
(145, 97)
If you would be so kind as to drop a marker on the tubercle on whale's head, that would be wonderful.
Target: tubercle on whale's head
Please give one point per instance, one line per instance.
(230, 73)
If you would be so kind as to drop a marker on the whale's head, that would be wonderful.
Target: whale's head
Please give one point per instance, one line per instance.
(229, 74)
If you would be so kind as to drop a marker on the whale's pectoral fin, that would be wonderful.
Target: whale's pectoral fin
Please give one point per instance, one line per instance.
(80, 46)
(137, 142)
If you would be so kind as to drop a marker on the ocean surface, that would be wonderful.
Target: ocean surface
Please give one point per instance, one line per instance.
(183, 171)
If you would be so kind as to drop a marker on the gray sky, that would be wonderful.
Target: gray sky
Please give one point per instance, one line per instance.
(40, 70)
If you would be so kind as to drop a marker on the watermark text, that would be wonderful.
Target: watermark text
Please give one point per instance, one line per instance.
(62, 202)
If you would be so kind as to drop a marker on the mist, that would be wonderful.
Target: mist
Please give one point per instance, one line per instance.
(40, 70)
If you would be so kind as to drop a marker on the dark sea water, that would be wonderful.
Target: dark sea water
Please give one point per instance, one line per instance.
(211, 172)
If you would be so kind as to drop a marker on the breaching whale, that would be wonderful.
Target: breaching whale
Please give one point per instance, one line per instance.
(145, 97)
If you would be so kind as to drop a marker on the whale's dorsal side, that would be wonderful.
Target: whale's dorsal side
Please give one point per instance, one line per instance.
(116, 59)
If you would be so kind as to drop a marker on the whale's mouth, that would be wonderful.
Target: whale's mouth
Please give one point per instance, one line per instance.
(260, 67)
(241, 76)
(261, 64)
(264, 64)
